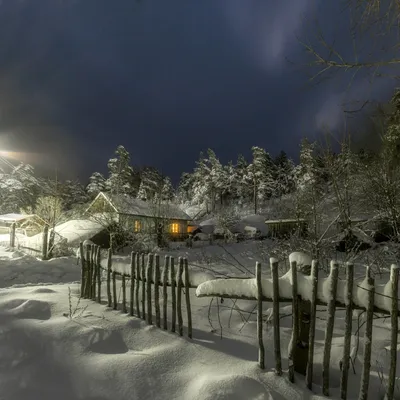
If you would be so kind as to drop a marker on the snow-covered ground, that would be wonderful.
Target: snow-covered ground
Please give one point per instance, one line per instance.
(54, 346)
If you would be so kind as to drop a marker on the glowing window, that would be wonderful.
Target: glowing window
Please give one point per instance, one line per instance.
(175, 228)
(138, 226)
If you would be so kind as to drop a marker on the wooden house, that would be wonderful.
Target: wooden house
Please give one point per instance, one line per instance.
(142, 216)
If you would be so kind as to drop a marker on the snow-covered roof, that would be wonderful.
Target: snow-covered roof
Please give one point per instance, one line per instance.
(15, 217)
(76, 231)
(129, 205)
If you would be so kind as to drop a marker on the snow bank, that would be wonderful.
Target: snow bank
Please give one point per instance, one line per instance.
(17, 268)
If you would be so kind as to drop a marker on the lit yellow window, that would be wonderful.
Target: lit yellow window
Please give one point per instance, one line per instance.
(175, 228)
(138, 226)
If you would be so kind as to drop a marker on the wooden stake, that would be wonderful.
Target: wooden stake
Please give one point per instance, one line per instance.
(143, 275)
(87, 280)
(114, 284)
(157, 291)
(98, 267)
(295, 321)
(45, 242)
(363, 395)
(109, 263)
(165, 292)
(332, 282)
(149, 273)
(313, 318)
(173, 295)
(261, 351)
(347, 332)
(94, 271)
(132, 292)
(12, 235)
(179, 297)
(394, 281)
(138, 278)
(187, 298)
(275, 298)
(83, 269)
(124, 309)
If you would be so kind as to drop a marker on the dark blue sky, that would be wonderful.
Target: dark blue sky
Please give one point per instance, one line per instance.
(166, 79)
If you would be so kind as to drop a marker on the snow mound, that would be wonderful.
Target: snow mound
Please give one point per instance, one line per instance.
(27, 309)
(229, 387)
(25, 270)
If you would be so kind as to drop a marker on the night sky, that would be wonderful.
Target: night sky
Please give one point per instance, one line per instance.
(167, 79)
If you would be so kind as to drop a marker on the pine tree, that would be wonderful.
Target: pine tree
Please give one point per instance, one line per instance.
(185, 187)
(284, 175)
(168, 192)
(73, 193)
(121, 178)
(97, 184)
(151, 183)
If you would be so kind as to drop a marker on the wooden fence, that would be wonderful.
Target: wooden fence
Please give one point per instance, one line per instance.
(293, 287)
(145, 274)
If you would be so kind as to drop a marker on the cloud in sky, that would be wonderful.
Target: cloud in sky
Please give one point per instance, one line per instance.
(267, 28)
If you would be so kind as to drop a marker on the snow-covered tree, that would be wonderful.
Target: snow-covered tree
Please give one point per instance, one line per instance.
(167, 192)
(97, 184)
(121, 179)
(260, 176)
(73, 193)
(18, 188)
(49, 208)
(284, 175)
(151, 183)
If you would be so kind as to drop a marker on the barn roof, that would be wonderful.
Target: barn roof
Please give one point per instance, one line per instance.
(129, 205)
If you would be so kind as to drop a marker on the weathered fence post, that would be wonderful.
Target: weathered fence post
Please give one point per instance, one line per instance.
(94, 271)
(261, 351)
(187, 298)
(313, 315)
(363, 395)
(138, 278)
(114, 284)
(83, 269)
(165, 292)
(347, 331)
(149, 274)
(173, 295)
(394, 282)
(132, 292)
(157, 290)
(109, 261)
(87, 280)
(45, 242)
(295, 321)
(12, 235)
(143, 275)
(98, 267)
(275, 304)
(179, 297)
(123, 282)
(332, 283)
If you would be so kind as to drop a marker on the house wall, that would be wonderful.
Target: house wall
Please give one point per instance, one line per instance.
(148, 225)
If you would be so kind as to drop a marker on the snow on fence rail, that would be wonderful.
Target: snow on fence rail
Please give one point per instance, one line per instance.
(305, 293)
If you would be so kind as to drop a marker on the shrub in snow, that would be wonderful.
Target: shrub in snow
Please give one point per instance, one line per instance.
(303, 261)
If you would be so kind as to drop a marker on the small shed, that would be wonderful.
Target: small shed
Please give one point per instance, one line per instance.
(285, 227)
(28, 224)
